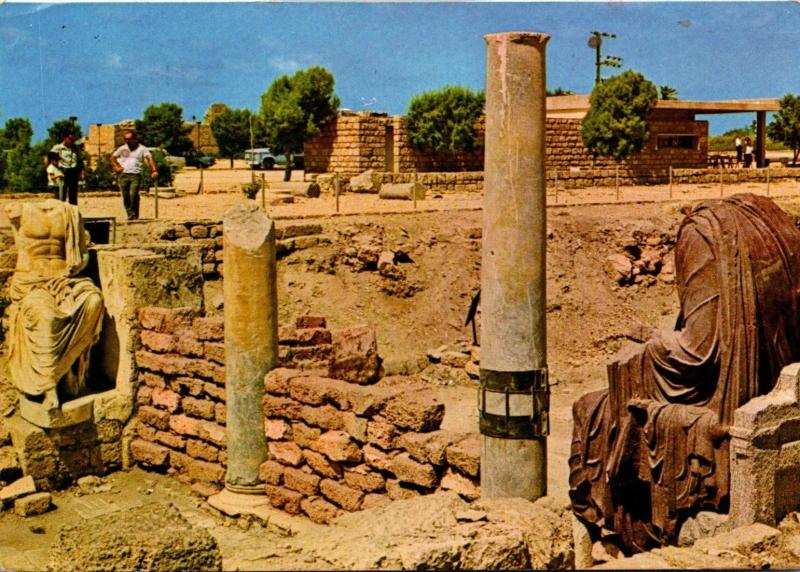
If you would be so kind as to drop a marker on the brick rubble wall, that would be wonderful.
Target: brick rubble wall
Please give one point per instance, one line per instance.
(337, 440)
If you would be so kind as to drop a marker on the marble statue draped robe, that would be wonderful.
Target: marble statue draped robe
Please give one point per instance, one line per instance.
(654, 448)
(55, 316)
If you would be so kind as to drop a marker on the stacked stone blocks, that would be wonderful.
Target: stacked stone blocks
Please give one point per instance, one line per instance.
(338, 439)
(339, 445)
(207, 234)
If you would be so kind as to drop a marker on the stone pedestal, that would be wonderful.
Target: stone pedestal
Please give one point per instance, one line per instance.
(513, 338)
(765, 454)
(251, 340)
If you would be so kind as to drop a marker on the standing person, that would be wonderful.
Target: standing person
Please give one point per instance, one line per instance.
(748, 153)
(71, 164)
(55, 176)
(738, 149)
(127, 161)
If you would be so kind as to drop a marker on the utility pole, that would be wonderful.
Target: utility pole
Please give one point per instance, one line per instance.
(596, 41)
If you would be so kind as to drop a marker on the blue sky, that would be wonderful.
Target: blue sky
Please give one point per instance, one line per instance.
(108, 62)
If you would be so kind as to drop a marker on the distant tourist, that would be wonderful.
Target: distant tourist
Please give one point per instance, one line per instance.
(71, 164)
(55, 176)
(128, 161)
(738, 149)
(748, 153)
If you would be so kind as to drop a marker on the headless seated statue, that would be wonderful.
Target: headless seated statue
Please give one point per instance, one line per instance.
(55, 316)
(653, 449)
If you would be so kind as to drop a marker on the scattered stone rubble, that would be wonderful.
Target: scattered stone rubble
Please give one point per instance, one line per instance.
(22, 496)
(444, 532)
(647, 256)
(756, 546)
(454, 364)
(366, 248)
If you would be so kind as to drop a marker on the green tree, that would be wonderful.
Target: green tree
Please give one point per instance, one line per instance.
(295, 108)
(666, 92)
(162, 126)
(21, 166)
(61, 128)
(785, 125)
(231, 129)
(615, 125)
(559, 91)
(444, 119)
(101, 176)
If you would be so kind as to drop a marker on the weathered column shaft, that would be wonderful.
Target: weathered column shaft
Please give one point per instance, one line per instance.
(514, 391)
(251, 338)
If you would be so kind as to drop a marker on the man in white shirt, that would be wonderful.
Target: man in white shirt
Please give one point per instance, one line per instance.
(127, 161)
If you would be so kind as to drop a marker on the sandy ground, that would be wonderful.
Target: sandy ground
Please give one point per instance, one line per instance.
(221, 188)
(588, 314)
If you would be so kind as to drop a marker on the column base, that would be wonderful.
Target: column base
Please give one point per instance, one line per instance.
(246, 489)
(236, 504)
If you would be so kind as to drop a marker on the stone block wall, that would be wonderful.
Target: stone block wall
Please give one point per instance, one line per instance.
(55, 457)
(409, 159)
(338, 441)
(340, 446)
(349, 145)
(565, 150)
(356, 142)
(207, 235)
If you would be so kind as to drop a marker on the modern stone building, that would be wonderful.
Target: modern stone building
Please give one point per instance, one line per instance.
(358, 141)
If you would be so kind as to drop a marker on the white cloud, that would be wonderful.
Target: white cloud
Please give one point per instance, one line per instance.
(114, 60)
(284, 64)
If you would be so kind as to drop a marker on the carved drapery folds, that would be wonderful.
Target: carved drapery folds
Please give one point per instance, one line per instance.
(654, 448)
(56, 316)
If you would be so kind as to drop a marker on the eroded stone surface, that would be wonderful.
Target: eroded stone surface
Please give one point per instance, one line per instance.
(145, 538)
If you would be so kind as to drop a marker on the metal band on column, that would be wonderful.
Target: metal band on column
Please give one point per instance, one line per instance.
(514, 405)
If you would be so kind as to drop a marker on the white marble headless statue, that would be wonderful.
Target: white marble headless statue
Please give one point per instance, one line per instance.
(55, 316)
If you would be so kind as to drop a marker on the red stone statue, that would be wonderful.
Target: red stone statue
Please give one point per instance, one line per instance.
(653, 449)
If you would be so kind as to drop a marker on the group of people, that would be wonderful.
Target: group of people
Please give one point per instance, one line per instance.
(65, 170)
(745, 152)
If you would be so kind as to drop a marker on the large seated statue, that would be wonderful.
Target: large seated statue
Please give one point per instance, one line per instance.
(653, 449)
(55, 316)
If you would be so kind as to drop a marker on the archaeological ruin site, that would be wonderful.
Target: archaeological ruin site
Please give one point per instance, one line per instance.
(410, 360)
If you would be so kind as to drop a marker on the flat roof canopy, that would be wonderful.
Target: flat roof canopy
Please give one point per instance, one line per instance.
(576, 106)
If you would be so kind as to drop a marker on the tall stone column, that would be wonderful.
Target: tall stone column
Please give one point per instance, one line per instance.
(251, 339)
(514, 394)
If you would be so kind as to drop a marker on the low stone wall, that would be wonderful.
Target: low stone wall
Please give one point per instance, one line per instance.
(472, 181)
(338, 441)
(207, 235)
(455, 182)
(584, 178)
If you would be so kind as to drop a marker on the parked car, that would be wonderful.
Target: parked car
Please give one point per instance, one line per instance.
(199, 159)
(263, 158)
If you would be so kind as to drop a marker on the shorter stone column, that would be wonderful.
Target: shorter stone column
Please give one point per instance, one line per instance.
(251, 339)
